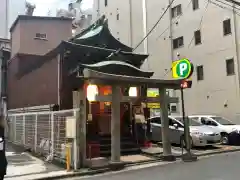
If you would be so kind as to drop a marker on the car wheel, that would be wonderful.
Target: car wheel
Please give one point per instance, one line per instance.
(224, 139)
(182, 142)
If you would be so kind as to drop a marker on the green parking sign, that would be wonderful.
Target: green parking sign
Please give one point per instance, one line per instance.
(182, 69)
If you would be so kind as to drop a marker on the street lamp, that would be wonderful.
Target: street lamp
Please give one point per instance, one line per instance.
(92, 92)
(133, 92)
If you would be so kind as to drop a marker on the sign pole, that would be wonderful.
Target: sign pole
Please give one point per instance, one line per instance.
(188, 156)
(183, 69)
(186, 124)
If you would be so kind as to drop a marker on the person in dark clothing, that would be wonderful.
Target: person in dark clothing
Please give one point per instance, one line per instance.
(3, 159)
(126, 128)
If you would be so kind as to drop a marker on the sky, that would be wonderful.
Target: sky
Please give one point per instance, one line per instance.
(43, 7)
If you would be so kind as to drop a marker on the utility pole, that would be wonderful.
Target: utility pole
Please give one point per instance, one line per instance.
(145, 42)
(131, 25)
(170, 31)
(6, 19)
(235, 25)
(171, 47)
(98, 8)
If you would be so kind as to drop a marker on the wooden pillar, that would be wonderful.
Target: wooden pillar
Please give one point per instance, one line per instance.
(75, 142)
(167, 154)
(115, 125)
(80, 142)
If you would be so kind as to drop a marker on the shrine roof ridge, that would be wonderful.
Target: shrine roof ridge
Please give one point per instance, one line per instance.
(105, 78)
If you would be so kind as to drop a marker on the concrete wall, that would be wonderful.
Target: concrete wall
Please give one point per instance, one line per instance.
(34, 89)
(39, 87)
(217, 89)
(23, 35)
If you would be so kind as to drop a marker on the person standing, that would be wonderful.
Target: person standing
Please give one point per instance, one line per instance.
(3, 159)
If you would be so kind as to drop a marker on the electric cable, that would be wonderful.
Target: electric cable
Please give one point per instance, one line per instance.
(226, 8)
(200, 24)
(176, 20)
(227, 3)
(154, 26)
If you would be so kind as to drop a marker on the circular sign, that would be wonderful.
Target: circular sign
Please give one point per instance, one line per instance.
(182, 69)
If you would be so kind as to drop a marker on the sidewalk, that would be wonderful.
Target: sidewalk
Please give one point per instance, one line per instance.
(22, 165)
(157, 150)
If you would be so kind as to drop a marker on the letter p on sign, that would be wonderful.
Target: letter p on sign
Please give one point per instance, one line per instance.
(182, 69)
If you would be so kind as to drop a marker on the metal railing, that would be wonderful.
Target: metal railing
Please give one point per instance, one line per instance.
(41, 132)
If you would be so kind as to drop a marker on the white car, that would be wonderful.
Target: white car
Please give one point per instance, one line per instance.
(200, 135)
(224, 125)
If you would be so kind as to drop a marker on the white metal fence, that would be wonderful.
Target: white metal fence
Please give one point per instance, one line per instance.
(42, 132)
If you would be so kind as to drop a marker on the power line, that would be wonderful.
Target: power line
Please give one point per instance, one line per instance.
(227, 4)
(234, 2)
(155, 25)
(226, 8)
(176, 20)
(200, 24)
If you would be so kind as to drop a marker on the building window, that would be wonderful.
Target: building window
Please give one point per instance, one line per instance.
(230, 67)
(117, 16)
(106, 2)
(200, 75)
(40, 36)
(176, 11)
(178, 42)
(227, 27)
(195, 4)
(197, 36)
(173, 108)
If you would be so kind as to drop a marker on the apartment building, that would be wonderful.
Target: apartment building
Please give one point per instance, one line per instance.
(206, 32)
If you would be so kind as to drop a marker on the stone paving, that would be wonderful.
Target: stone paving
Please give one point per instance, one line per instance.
(22, 165)
(135, 158)
(177, 151)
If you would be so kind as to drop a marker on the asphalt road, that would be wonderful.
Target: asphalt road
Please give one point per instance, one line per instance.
(220, 167)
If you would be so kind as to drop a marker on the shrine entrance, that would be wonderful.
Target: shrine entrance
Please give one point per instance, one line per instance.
(98, 63)
(100, 111)
(99, 121)
(113, 123)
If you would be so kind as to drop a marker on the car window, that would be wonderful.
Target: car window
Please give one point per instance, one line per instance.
(156, 120)
(204, 120)
(175, 122)
(192, 122)
(222, 120)
(212, 123)
(194, 118)
(208, 122)
(179, 124)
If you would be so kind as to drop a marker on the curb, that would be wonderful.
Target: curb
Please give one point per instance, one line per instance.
(141, 163)
(158, 157)
(217, 152)
(75, 174)
(94, 172)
